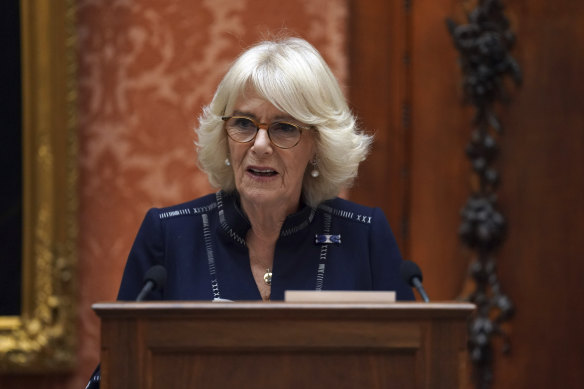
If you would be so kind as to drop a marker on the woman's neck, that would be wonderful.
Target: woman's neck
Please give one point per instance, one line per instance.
(266, 220)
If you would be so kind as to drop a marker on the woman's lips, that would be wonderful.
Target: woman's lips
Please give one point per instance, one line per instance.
(261, 171)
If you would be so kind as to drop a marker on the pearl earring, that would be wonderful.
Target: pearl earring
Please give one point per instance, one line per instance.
(314, 173)
(227, 163)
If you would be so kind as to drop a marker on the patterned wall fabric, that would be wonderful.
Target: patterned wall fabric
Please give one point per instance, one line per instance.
(146, 67)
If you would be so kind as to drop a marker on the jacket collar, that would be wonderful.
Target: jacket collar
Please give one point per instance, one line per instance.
(235, 223)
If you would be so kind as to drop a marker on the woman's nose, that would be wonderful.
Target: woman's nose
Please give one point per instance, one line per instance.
(262, 143)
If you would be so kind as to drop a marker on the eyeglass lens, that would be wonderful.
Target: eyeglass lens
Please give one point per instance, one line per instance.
(282, 134)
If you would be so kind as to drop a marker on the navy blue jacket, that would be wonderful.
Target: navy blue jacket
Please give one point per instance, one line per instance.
(338, 246)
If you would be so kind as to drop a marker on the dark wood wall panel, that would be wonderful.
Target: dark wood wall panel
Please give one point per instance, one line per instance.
(378, 95)
(541, 162)
(439, 170)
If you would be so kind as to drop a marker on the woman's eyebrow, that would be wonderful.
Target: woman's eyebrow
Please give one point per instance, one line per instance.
(246, 114)
(254, 117)
(284, 117)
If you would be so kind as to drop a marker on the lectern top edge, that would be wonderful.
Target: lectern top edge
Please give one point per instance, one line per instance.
(180, 308)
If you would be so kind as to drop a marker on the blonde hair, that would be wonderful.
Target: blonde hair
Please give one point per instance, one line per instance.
(293, 77)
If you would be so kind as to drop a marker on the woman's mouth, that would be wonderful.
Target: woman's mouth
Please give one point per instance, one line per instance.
(262, 172)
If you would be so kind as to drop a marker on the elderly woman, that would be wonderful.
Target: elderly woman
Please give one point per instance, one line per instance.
(279, 141)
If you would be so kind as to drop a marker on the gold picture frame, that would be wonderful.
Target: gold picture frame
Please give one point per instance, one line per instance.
(42, 338)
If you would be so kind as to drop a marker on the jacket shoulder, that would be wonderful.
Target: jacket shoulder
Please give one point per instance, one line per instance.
(349, 210)
(194, 207)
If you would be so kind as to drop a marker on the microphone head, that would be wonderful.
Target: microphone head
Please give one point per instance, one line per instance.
(409, 270)
(156, 274)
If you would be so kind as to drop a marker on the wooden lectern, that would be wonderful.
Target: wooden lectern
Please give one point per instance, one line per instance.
(174, 345)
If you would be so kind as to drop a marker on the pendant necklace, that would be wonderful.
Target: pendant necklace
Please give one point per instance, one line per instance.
(268, 276)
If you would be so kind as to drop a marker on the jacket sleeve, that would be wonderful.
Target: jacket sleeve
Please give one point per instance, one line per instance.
(147, 251)
(386, 259)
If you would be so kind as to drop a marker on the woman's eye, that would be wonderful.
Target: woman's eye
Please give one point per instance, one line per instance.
(244, 123)
(283, 127)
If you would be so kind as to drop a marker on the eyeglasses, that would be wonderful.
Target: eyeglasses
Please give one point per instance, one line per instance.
(242, 129)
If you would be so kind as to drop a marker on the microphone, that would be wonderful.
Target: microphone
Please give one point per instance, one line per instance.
(154, 279)
(412, 274)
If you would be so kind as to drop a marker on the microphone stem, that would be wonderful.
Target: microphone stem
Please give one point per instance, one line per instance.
(145, 290)
(418, 284)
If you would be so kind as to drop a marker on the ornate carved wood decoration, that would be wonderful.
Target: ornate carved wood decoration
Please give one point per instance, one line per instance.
(484, 44)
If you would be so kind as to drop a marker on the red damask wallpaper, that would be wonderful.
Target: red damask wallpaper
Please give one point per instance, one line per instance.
(146, 67)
